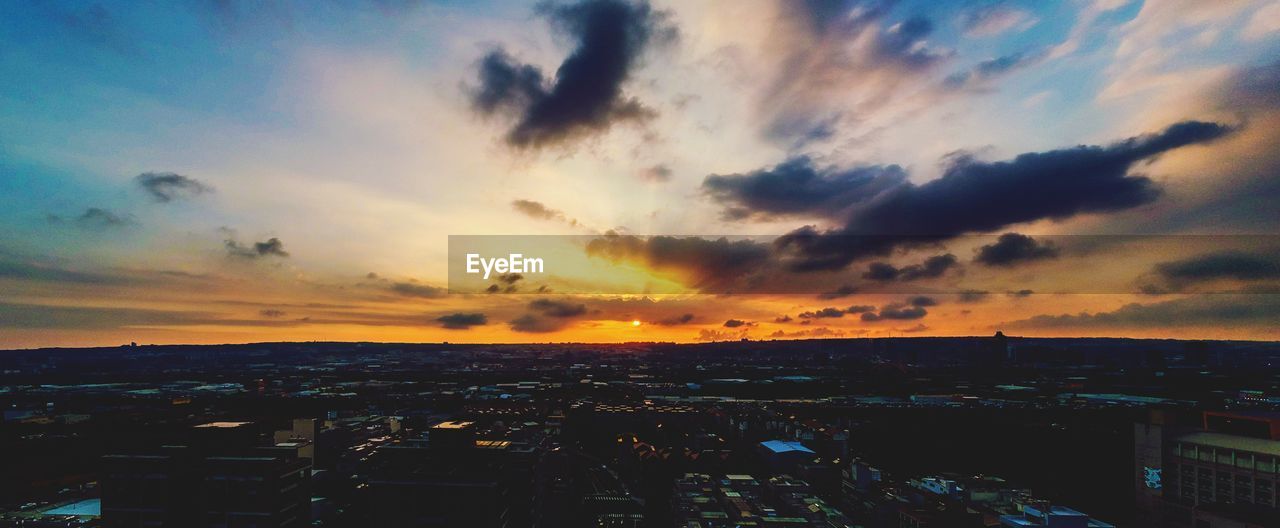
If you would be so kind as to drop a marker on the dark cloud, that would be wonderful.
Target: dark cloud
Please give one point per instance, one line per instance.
(904, 43)
(559, 309)
(675, 320)
(656, 173)
(843, 291)
(825, 313)
(414, 289)
(98, 218)
(932, 267)
(1012, 249)
(1021, 293)
(586, 93)
(973, 296)
(1224, 265)
(272, 313)
(979, 196)
(982, 73)
(797, 188)
(897, 311)
(536, 210)
(91, 317)
(782, 319)
(1218, 311)
(548, 315)
(707, 264)
(462, 321)
(14, 267)
(881, 272)
(860, 309)
(166, 187)
(272, 247)
(922, 300)
(736, 323)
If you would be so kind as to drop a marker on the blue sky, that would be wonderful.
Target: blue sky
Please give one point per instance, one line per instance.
(352, 132)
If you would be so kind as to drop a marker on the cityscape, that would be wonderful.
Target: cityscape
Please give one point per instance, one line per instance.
(640, 264)
(893, 432)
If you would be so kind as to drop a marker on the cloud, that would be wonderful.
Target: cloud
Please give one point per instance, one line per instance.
(554, 308)
(1230, 265)
(586, 95)
(980, 196)
(720, 335)
(462, 321)
(272, 247)
(819, 332)
(91, 317)
(548, 315)
(843, 291)
(536, 210)
(98, 218)
(921, 327)
(1012, 249)
(824, 313)
(860, 308)
(707, 264)
(983, 73)
(932, 267)
(797, 188)
(657, 173)
(414, 289)
(165, 187)
(922, 300)
(675, 320)
(897, 311)
(839, 63)
(736, 323)
(1223, 311)
(13, 267)
(973, 296)
(993, 19)
(271, 313)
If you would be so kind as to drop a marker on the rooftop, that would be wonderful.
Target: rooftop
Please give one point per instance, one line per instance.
(222, 425)
(1240, 443)
(784, 446)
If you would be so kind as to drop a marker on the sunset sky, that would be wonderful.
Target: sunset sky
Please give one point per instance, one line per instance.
(212, 172)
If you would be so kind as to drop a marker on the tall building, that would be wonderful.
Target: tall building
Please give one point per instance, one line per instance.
(217, 480)
(1221, 474)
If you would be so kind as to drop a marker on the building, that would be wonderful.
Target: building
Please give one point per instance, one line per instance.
(215, 480)
(1042, 514)
(1221, 474)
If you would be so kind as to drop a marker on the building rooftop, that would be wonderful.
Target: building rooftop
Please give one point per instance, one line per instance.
(452, 425)
(222, 425)
(1240, 443)
(784, 446)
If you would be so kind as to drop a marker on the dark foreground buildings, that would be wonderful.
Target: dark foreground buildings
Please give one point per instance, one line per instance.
(1212, 470)
(218, 478)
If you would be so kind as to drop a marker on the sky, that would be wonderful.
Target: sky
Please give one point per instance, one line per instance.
(227, 171)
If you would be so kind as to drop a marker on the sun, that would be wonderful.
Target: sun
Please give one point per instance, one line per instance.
(635, 322)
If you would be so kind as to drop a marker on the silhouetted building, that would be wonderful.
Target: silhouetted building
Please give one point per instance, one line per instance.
(215, 481)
